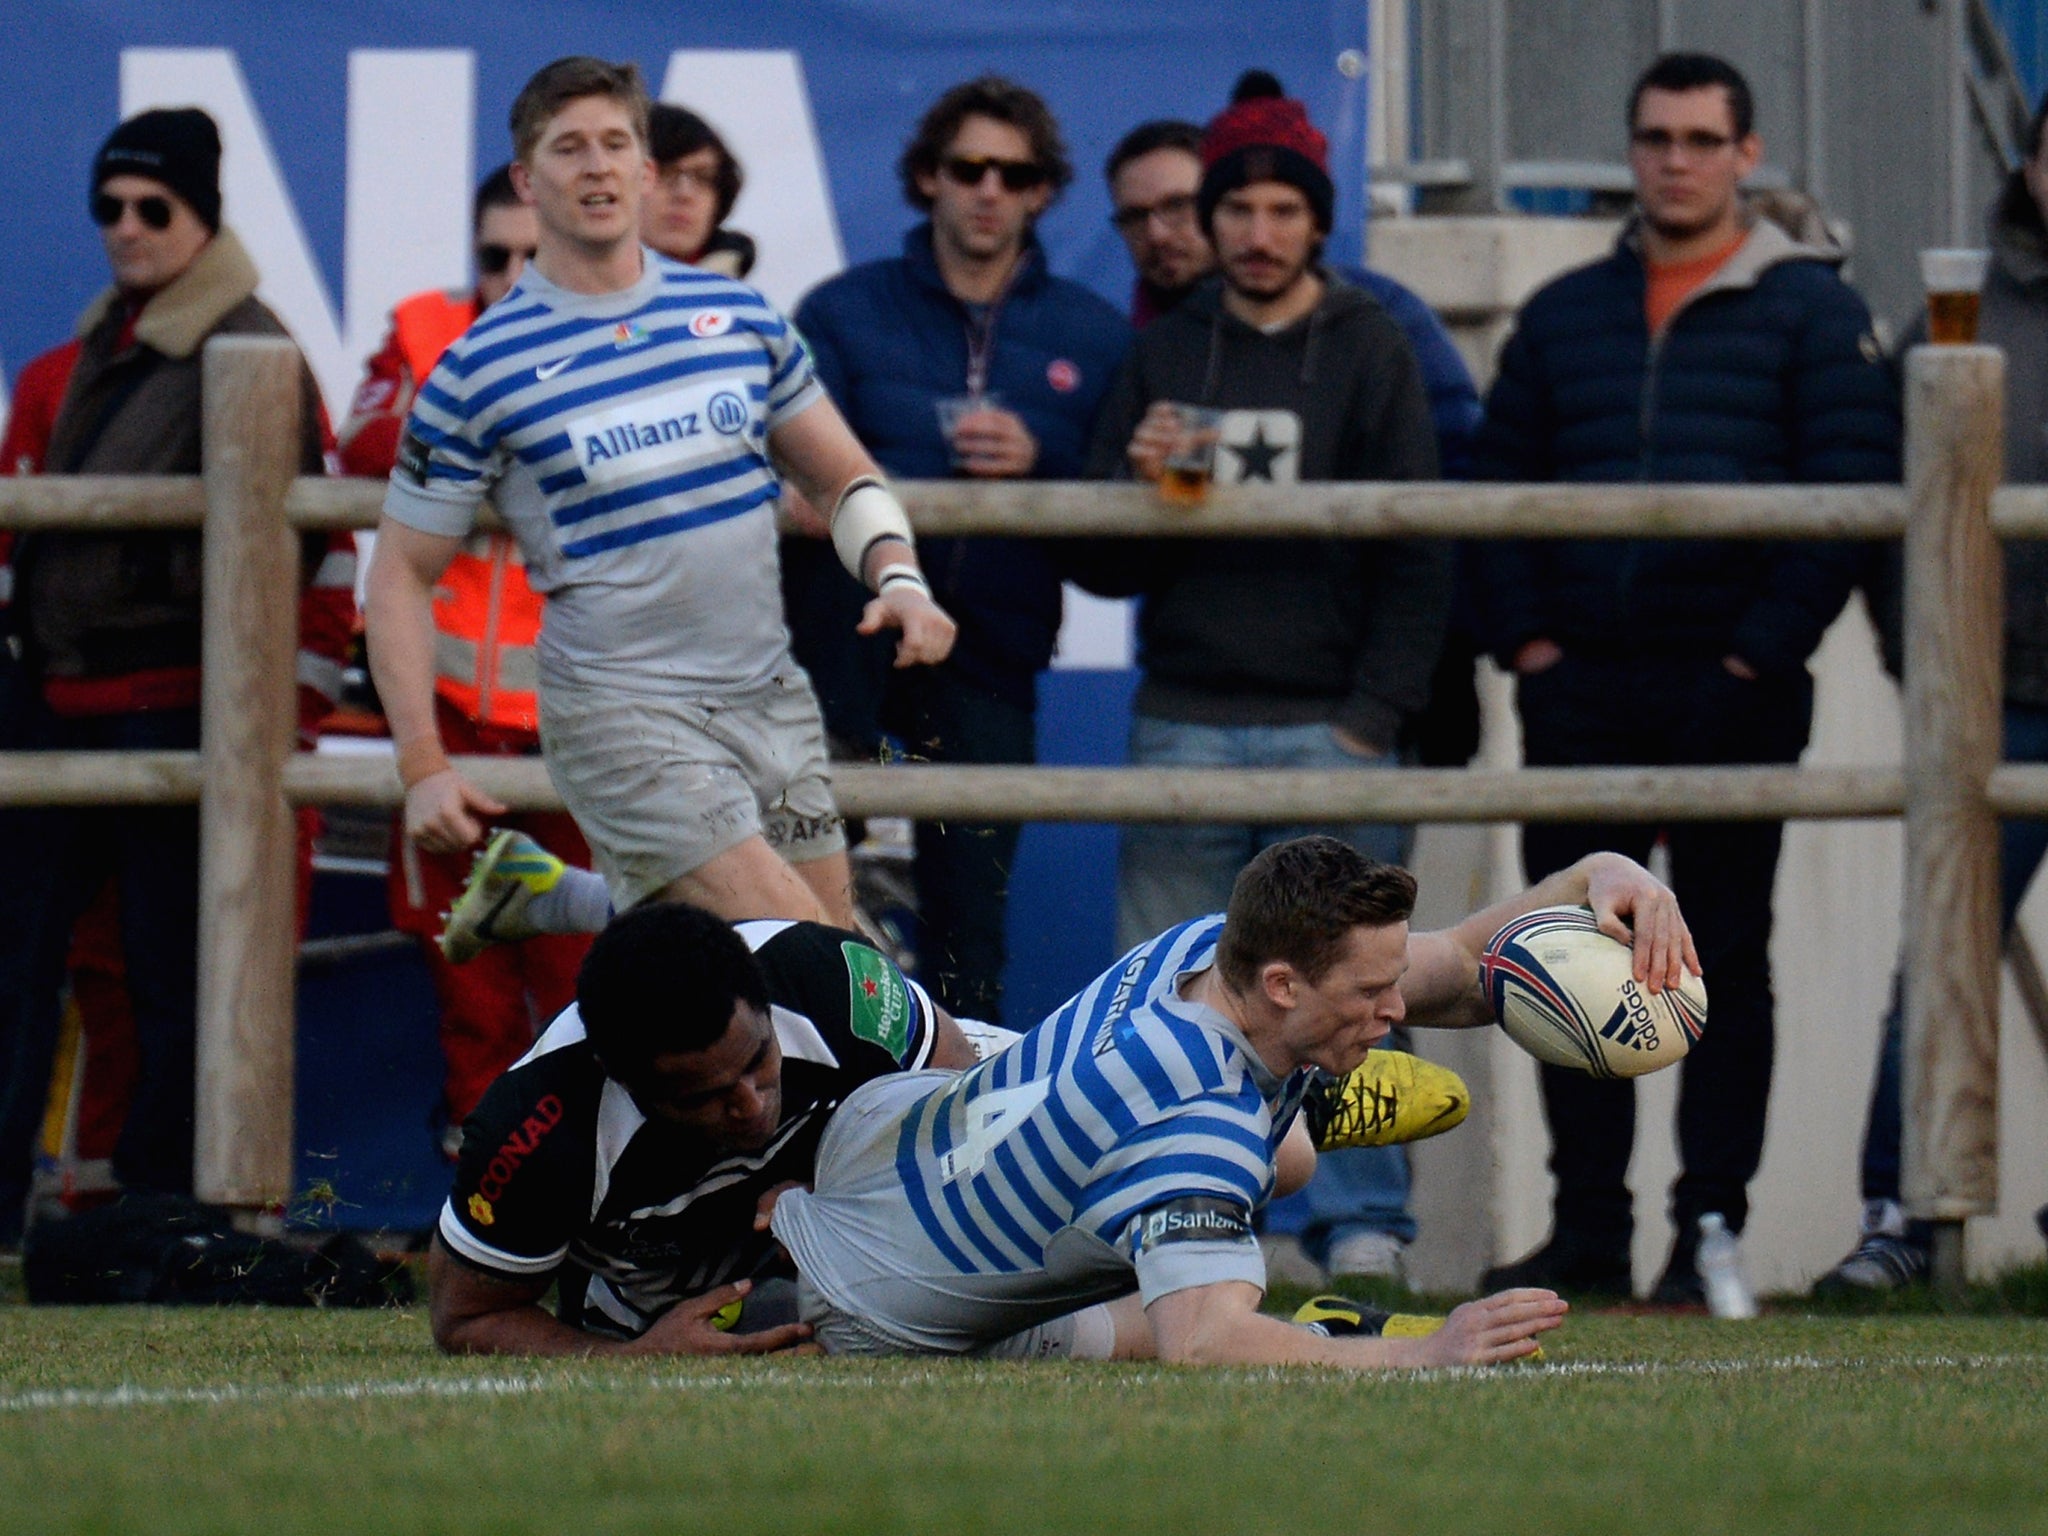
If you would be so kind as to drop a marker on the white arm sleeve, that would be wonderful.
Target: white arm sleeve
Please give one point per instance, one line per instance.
(868, 510)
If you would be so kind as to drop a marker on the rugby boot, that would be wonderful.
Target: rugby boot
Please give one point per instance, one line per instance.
(1392, 1097)
(507, 875)
(1339, 1317)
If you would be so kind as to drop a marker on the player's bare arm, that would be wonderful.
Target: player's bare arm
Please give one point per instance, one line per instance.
(828, 465)
(1294, 1161)
(1221, 1324)
(952, 1051)
(1442, 984)
(476, 1314)
(444, 812)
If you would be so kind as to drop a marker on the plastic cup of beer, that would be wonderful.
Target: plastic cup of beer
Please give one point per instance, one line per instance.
(954, 409)
(1953, 279)
(1191, 462)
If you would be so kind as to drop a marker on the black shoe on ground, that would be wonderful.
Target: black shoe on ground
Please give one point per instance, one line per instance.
(1567, 1263)
(1679, 1286)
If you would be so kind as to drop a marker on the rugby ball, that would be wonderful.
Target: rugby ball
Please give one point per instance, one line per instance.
(1563, 991)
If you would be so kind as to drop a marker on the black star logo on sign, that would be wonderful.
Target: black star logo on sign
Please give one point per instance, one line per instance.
(1257, 456)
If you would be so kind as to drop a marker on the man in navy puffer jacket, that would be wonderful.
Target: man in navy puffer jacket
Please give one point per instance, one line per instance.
(1707, 348)
(967, 312)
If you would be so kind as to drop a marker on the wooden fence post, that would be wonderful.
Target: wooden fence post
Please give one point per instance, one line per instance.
(1954, 613)
(247, 882)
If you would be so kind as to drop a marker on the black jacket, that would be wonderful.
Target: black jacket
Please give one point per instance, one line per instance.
(1284, 631)
(1768, 373)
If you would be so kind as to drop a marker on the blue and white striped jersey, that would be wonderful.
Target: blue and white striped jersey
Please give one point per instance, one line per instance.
(623, 437)
(1126, 1140)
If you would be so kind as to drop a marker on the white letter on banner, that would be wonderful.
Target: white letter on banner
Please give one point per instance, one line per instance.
(407, 217)
(758, 102)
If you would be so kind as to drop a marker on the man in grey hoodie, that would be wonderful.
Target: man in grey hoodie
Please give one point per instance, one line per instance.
(1294, 653)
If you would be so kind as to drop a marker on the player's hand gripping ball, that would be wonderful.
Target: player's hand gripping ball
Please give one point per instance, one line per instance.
(1564, 992)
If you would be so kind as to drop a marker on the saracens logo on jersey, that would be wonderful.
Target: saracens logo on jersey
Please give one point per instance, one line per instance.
(710, 322)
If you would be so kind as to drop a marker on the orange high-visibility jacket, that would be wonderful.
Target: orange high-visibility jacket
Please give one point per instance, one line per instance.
(486, 618)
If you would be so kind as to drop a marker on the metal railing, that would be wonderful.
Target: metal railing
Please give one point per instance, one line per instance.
(1950, 788)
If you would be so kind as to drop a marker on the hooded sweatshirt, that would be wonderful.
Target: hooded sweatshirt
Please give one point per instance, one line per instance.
(1283, 631)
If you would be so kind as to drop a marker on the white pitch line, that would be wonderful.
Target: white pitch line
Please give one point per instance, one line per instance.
(456, 1387)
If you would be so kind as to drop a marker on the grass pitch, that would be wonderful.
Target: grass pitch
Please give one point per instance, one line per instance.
(285, 1422)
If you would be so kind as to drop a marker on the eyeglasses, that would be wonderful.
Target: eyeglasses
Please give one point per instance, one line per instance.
(1173, 212)
(972, 170)
(1697, 142)
(681, 178)
(154, 211)
(491, 259)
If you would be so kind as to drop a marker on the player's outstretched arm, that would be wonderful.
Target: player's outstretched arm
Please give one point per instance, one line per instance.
(1442, 984)
(1221, 1325)
(444, 812)
(476, 1314)
(820, 454)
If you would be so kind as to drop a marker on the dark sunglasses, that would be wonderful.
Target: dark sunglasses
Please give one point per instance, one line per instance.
(493, 259)
(971, 170)
(154, 211)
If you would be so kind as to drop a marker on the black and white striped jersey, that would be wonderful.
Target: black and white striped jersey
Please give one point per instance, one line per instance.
(562, 1176)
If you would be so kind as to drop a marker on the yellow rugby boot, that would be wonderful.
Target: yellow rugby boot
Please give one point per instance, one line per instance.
(507, 875)
(1392, 1097)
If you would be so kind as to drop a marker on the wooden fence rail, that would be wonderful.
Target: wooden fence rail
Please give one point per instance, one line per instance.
(1950, 788)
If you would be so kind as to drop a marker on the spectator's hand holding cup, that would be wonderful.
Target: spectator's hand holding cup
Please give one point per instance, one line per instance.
(1954, 280)
(988, 441)
(1175, 446)
(1190, 462)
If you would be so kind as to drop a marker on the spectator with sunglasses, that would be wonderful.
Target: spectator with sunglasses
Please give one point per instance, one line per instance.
(962, 356)
(106, 625)
(696, 182)
(486, 619)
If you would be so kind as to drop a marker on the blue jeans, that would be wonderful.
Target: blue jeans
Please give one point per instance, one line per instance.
(2021, 845)
(1168, 874)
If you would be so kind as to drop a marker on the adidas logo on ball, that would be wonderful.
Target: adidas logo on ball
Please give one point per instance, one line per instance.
(1565, 992)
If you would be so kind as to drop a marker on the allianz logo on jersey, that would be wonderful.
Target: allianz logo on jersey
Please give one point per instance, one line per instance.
(659, 431)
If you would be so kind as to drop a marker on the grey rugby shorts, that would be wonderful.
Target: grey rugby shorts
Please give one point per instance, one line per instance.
(661, 786)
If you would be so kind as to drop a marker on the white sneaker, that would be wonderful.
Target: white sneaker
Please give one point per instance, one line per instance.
(1288, 1263)
(1369, 1255)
